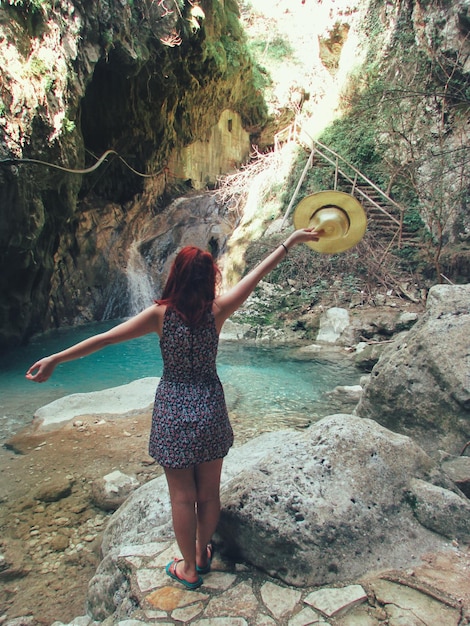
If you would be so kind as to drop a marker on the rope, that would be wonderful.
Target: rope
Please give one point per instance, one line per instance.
(82, 171)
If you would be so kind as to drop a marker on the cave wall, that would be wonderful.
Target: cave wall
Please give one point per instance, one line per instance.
(143, 79)
(223, 150)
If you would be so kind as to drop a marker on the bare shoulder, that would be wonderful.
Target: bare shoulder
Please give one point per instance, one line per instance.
(159, 313)
(219, 315)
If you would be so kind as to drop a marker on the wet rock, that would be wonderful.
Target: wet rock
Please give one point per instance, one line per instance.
(59, 543)
(54, 490)
(13, 562)
(350, 394)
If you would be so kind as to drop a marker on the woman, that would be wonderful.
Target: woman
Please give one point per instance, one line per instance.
(191, 432)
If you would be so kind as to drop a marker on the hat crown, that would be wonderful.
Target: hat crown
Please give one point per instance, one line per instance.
(338, 216)
(331, 221)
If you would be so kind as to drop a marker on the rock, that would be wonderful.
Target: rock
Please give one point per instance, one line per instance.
(108, 493)
(54, 490)
(411, 608)
(332, 324)
(145, 517)
(344, 398)
(59, 543)
(232, 331)
(13, 559)
(334, 602)
(421, 383)
(336, 494)
(107, 589)
(458, 469)
(386, 324)
(280, 600)
(329, 504)
(368, 355)
(440, 510)
(349, 393)
(77, 272)
(135, 396)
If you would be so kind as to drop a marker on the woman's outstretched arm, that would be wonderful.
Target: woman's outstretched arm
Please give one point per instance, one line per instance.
(229, 302)
(142, 324)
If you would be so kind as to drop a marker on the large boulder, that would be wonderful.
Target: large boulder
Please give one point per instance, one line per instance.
(421, 383)
(343, 498)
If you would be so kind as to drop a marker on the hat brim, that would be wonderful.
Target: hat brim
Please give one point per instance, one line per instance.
(306, 209)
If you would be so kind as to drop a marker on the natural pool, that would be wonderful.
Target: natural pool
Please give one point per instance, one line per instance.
(266, 388)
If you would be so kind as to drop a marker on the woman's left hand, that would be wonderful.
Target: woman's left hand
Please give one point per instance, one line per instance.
(41, 370)
(302, 235)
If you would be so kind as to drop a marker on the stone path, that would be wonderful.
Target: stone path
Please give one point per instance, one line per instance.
(437, 593)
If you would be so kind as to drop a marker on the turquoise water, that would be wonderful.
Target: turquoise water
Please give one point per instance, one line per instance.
(265, 388)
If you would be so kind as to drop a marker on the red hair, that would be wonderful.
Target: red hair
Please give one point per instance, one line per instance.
(191, 284)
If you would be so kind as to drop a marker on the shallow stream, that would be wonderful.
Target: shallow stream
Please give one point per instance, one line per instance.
(266, 388)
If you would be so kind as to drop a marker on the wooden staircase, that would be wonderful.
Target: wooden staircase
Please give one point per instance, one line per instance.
(384, 215)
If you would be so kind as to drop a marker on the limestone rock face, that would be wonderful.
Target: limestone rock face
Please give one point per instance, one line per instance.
(334, 503)
(162, 89)
(421, 383)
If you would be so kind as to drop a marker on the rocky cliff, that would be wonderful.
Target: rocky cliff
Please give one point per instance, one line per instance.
(166, 90)
(162, 85)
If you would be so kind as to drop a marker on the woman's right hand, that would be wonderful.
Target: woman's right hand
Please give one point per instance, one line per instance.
(41, 370)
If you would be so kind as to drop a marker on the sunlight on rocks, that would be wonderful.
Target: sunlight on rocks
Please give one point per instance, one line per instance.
(170, 598)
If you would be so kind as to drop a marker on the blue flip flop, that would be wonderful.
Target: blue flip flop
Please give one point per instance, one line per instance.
(172, 573)
(210, 555)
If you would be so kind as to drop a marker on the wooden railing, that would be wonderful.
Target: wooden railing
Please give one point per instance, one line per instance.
(360, 184)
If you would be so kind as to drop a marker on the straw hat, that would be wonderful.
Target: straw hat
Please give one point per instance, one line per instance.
(338, 216)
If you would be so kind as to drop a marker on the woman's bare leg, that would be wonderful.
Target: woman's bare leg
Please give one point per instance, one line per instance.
(207, 477)
(183, 493)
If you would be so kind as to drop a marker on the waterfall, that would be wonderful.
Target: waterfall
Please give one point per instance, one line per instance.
(139, 284)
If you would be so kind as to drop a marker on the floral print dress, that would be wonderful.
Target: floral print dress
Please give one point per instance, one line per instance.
(190, 423)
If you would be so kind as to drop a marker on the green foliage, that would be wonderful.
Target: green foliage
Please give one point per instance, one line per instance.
(108, 37)
(277, 49)
(354, 138)
(33, 6)
(38, 67)
(68, 126)
(262, 78)
(317, 278)
(233, 50)
(218, 56)
(413, 220)
(30, 14)
(233, 26)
